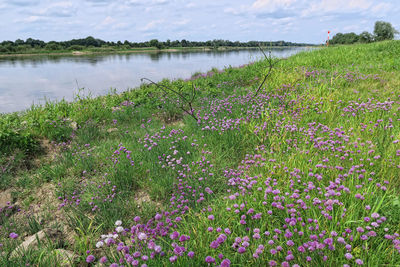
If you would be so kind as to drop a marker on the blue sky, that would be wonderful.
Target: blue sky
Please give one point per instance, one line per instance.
(141, 20)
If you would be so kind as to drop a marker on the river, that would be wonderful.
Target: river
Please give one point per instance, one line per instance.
(34, 79)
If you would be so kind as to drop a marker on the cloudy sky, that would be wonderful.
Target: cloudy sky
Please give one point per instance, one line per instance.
(141, 20)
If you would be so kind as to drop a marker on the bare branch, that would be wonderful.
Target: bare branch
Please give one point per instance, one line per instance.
(165, 89)
(271, 65)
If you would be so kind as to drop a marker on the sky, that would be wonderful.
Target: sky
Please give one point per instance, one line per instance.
(304, 21)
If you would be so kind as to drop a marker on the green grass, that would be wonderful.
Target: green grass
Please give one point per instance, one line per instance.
(324, 117)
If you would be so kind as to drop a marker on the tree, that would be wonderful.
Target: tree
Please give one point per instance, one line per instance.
(366, 37)
(155, 43)
(346, 38)
(52, 46)
(19, 42)
(91, 41)
(384, 31)
(184, 43)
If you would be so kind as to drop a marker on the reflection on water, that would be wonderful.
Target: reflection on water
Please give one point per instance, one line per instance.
(28, 80)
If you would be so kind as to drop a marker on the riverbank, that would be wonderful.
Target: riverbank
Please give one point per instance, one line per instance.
(133, 50)
(304, 171)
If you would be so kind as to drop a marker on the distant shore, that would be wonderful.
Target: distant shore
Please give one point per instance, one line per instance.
(134, 50)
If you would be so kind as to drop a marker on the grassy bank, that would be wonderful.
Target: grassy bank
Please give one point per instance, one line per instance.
(306, 173)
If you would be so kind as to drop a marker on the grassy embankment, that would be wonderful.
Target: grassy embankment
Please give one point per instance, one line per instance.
(305, 173)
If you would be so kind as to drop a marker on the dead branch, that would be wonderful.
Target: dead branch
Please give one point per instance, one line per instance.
(189, 109)
(271, 65)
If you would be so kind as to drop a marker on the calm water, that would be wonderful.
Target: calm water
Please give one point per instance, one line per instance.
(30, 80)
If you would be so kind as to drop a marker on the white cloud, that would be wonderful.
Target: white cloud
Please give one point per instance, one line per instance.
(236, 11)
(152, 24)
(30, 19)
(191, 5)
(264, 9)
(272, 4)
(146, 2)
(22, 2)
(137, 20)
(56, 9)
(110, 23)
(382, 8)
(181, 22)
(107, 21)
(120, 26)
(351, 28)
(336, 6)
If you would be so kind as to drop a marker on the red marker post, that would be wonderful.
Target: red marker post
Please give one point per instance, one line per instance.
(327, 43)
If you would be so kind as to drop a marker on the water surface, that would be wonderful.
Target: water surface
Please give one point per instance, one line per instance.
(31, 80)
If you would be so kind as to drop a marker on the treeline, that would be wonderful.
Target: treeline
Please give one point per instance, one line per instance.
(382, 31)
(20, 46)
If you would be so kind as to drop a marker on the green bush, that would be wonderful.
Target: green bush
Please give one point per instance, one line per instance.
(11, 140)
(76, 47)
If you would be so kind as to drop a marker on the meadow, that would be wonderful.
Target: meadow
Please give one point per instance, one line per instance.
(304, 173)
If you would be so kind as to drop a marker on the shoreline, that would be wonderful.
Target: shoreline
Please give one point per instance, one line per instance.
(145, 50)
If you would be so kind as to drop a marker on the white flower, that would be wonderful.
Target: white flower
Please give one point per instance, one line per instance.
(115, 236)
(119, 229)
(118, 223)
(104, 236)
(99, 244)
(142, 236)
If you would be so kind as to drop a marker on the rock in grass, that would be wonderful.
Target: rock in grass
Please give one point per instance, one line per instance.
(29, 242)
(112, 130)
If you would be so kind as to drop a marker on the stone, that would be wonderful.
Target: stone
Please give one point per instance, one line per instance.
(112, 130)
(32, 241)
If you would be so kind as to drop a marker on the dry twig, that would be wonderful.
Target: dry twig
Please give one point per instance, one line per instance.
(271, 65)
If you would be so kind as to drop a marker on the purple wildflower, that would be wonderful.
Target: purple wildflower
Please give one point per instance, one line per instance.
(226, 263)
(348, 256)
(13, 235)
(210, 259)
(90, 259)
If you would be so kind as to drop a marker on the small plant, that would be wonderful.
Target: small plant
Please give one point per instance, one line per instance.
(86, 232)
(34, 224)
